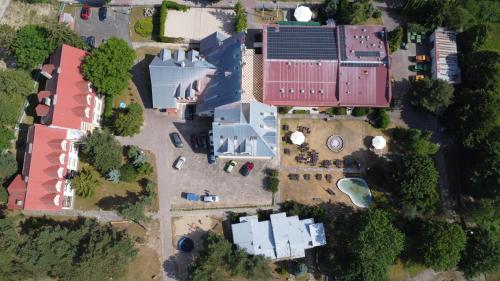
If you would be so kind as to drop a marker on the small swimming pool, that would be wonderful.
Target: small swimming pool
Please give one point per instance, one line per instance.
(357, 189)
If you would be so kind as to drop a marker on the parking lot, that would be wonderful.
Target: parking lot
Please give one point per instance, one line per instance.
(115, 24)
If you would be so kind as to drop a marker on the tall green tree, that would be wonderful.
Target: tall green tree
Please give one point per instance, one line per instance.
(30, 46)
(431, 94)
(7, 38)
(441, 244)
(15, 86)
(241, 17)
(374, 245)
(414, 141)
(6, 136)
(416, 182)
(482, 254)
(85, 183)
(58, 34)
(102, 150)
(108, 67)
(395, 37)
(8, 166)
(129, 121)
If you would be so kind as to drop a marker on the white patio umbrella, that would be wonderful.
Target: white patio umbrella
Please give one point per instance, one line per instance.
(302, 13)
(297, 138)
(379, 142)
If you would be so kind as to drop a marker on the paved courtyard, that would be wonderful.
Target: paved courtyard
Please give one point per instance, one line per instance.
(198, 23)
(115, 25)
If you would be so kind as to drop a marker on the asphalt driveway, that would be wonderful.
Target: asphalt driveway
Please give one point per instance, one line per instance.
(115, 25)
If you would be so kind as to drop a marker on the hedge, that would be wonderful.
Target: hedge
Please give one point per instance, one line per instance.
(359, 111)
(144, 27)
(300, 111)
(176, 6)
(165, 5)
(163, 19)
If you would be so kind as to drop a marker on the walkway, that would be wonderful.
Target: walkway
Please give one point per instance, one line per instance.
(3, 6)
(102, 216)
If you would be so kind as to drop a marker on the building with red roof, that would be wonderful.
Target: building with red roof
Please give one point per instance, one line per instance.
(68, 109)
(68, 100)
(326, 66)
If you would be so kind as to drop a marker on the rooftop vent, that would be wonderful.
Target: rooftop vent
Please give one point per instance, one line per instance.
(59, 70)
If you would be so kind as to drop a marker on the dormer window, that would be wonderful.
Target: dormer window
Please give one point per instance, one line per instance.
(89, 99)
(63, 145)
(89, 87)
(61, 158)
(87, 112)
(60, 172)
(58, 186)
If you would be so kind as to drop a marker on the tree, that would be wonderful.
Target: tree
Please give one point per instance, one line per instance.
(133, 211)
(482, 70)
(7, 38)
(6, 136)
(108, 67)
(241, 17)
(431, 94)
(8, 166)
(372, 245)
(395, 37)
(91, 250)
(128, 173)
(129, 121)
(15, 86)
(482, 254)
(414, 141)
(57, 34)
(381, 118)
(293, 208)
(30, 46)
(441, 244)
(484, 212)
(85, 183)
(113, 176)
(273, 184)
(416, 180)
(102, 150)
(220, 262)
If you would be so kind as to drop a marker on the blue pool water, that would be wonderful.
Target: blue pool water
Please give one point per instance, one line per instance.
(357, 189)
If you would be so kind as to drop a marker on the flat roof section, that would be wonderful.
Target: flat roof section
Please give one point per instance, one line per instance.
(364, 85)
(300, 42)
(362, 43)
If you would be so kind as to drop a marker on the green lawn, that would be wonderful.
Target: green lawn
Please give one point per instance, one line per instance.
(492, 42)
(136, 14)
(109, 195)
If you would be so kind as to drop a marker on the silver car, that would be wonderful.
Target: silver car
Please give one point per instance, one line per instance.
(210, 198)
(179, 162)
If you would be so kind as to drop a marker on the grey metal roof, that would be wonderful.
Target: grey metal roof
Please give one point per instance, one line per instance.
(224, 86)
(245, 130)
(174, 77)
(278, 238)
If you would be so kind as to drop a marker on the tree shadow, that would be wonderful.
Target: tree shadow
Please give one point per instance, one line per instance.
(197, 126)
(32, 223)
(21, 143)
(114, 202)
(226, 18)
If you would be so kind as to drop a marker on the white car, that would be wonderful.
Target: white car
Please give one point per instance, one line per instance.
(210, 198)
(179, 162)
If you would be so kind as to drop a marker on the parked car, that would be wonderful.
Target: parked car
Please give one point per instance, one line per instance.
(417, 77)
(91, 41)
(230, 166)
(204, 140)
(191, 196)
(180, 162)
(422, 58)
(420, 67)
(85, 13)
(103, 13)
(247, 168)
(210, 198)
(176, 140)
(194, 141)
(211, 137)
(211, 156)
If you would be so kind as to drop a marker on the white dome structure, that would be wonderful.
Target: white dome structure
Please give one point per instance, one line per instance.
(297, 138)
(379, 142)
(303, 14)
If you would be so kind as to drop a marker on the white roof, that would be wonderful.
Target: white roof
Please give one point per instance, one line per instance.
(445, 56)
(278, 238)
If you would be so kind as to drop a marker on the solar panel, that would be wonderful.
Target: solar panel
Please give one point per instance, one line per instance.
(301, 42)
(355, 64)
(367, 53)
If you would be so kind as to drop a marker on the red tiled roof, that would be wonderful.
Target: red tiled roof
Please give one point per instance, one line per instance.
(41, 110)
(360, 76)
(17, 193)
(70, 89)
(42, 166)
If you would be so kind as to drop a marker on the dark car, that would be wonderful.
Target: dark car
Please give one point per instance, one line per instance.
(246, 169)
(103, 13)
(211, 156)
(204, 141)
(176, 140)
(194, 141)
(91, 41)
(85, 13)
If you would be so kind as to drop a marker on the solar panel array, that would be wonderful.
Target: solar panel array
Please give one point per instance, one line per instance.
(367, 53)
(306, 43)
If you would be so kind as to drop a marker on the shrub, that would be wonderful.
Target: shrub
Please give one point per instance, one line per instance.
(359, 111)
(171, 5)
(284, 109)
(340, 111)
(300, 111)
(133, 151)
(273, 173)
(145, 169)
(163, 19)
(129, 121)
(377, 14)
(394, 38)
(6, 136)
(85, 183)
(144, 27)
(113, 176)
(273, 184)
(128, 173)
(382, 119)
(108, 106)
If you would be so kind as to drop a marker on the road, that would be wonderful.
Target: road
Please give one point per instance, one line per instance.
(3, 6)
